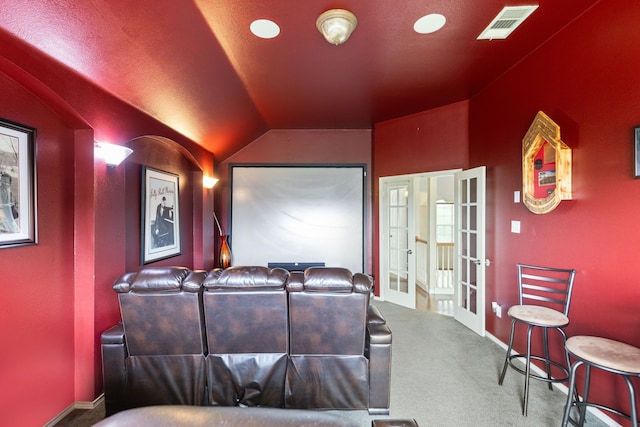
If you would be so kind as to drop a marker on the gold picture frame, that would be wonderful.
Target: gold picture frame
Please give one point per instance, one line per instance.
(546, 166)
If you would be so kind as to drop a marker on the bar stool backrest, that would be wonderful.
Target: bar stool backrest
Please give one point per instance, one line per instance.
(551, 287)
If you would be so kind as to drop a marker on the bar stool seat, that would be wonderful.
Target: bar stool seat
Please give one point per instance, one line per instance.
(538, 316)
(606, 354)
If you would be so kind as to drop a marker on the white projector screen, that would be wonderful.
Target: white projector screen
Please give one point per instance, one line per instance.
(298, 214)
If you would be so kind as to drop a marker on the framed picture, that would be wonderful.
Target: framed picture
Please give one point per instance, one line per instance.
(17, 185)
(636, 145)
(546, 178)
(160, 215)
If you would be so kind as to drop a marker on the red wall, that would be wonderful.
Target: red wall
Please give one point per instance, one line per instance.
(586, 80)
(57, 296)
(431, 141)
(36, 308)
(303, 147)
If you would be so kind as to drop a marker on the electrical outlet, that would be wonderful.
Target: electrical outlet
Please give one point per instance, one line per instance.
(495, 307)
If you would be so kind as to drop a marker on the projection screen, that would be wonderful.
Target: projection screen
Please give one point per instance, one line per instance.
(298, 214)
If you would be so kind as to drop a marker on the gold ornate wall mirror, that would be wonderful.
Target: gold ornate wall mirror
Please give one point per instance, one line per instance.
(546, 166)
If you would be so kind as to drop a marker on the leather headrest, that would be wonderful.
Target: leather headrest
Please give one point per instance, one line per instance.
(153, 279)
(328, 279)
(247, 278)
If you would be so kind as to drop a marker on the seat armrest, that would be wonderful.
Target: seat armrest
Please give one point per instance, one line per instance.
(379, 334)
(374, 317)
(379, 339)
(113, 335)
(362, 283)
(296, 282)
(193, 282)
(114, 353)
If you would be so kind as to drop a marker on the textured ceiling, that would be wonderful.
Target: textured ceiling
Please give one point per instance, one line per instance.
(195, 66)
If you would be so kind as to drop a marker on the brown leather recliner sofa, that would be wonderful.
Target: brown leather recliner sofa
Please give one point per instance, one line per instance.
(247, 336)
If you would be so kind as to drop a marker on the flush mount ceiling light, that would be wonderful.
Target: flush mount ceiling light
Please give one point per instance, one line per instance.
(429, 23)
(336, 25)
(264, 28)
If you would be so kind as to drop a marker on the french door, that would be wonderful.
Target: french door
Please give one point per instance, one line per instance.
(398, 282)
(397, 243)
(470, 249)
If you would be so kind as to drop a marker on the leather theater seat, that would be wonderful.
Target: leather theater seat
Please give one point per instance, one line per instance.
(247, 334)
(329, 342)
(162, 361)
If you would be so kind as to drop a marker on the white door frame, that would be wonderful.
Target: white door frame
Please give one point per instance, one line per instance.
(386, 293)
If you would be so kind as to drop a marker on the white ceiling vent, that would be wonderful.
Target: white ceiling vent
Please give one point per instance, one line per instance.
(507, 20)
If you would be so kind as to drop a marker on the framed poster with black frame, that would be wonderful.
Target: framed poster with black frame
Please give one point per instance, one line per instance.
(160, 215)
(17, 185)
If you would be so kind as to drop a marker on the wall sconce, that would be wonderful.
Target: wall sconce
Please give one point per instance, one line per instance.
(336, 25)
(209, 182)
(112, 154)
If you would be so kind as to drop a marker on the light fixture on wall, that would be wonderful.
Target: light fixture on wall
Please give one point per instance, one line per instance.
(209, 182)
(112, 154)
(336, 25)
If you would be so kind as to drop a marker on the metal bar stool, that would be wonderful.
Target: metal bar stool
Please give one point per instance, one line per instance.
(608, 355)
(544, 297)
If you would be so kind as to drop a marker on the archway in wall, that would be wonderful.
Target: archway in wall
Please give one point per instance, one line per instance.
(196, 201)
(149, 145)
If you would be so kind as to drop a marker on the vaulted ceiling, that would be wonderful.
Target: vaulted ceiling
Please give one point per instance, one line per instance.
(195, 66)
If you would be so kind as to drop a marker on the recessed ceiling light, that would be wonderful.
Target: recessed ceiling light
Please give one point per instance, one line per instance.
(264, 28)
(429, 23)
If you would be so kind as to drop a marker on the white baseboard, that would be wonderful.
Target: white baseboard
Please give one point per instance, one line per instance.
(563, 388)
(75, 405)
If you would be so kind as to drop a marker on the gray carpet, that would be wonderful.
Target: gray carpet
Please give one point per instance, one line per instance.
(443, 375)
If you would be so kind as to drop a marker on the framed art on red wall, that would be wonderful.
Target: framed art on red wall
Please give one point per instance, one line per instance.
(17, 185)
(160, 215)
(546, 166)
